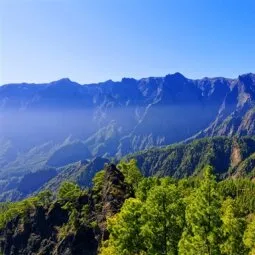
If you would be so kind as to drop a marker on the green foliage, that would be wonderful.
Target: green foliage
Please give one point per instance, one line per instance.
(232, 229)
(131, 172)
(249, 236)
(68, 192)
(243, 191)
(192, 216)
(153, 226)
(85, 220)
(45, 198)
(71, 226)
(203, 219)
(125, 230)
(189, 159)
(98, 181)
(9, 211)
(97, 188)
(163, 220)
(68, 196)
(186, 217)
(145, 185)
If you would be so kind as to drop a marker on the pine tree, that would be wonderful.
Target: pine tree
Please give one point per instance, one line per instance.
(202, 233)
(125, 230)
(232, 230)
(131, 172)
(163, 220)
(249, 236)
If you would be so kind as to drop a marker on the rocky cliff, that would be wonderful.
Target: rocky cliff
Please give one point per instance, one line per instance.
(38, 230)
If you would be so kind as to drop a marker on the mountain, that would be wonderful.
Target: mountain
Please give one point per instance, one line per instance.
(50, 178)
(59, 123)
(229, 157)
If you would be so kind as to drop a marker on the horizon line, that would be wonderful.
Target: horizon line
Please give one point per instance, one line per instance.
(125, 77)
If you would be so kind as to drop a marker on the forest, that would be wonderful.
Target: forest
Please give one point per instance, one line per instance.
(130, 214)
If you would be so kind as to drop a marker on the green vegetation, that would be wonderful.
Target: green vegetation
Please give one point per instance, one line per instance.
(136, 215)
(228, 156)
(9, 211)
(68, 196)
(131, 172)
(187, 217)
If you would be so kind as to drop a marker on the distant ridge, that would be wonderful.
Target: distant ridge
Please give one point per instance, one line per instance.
(112, 119)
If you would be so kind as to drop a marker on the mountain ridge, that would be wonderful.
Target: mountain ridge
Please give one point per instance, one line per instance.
(67, 79)
(113, 119)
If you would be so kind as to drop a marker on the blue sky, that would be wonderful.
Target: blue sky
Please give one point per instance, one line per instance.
(97, 40)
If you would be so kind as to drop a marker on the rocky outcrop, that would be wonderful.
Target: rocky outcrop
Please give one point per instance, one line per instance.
(37, 232)
(114, 193)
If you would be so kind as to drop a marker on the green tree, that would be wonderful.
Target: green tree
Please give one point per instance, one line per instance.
(68, 195)
(163, 220)
(249, 236)
(45, 197)
(232, 230)
(125, 230)
(69, 192)
(202, 233)
(145, 185)
(131, 172)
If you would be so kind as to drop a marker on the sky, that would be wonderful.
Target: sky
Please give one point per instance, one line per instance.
(97, 40)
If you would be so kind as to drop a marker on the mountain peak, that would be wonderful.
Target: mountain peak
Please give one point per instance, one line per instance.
(248, 77)
(128, 80)
(176, 75)
(64, 81)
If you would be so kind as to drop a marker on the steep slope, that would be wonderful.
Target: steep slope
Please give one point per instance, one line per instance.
(237, 113)
(41, 228)
(81, 172)
(229, 157)
(50, 178)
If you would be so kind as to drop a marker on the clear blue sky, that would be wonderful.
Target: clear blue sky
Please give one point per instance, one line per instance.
(97, 40)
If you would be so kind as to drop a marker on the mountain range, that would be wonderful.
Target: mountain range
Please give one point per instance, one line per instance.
(62, 122)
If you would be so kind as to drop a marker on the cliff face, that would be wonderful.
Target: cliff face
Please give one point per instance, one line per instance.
(38, 231)
(236, 113)
(114, 194)
(34, 234)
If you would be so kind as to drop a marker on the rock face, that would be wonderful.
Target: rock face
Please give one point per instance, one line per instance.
(37, 232)
(114, 192)
(236, 114)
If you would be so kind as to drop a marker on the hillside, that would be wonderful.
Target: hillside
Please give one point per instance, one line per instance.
(230, 157)
(50, 178)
